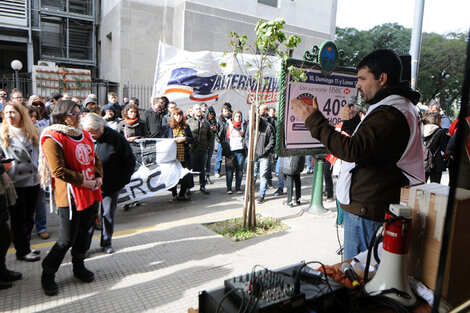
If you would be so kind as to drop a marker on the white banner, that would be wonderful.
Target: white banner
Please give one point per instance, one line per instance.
(152, 177)
(194, 77)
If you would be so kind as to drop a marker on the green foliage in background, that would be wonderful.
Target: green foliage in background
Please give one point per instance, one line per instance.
(442, 60)
(270, 41)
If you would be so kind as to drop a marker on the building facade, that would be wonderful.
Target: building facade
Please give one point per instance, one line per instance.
(130, 30)
(118, 39)
(60, 32)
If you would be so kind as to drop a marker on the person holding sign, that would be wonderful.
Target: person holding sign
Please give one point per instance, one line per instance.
(384, 152)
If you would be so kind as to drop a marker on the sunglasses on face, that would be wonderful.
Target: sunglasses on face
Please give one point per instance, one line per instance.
(74, 114)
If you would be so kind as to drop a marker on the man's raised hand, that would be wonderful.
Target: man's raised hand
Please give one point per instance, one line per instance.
(303, 110)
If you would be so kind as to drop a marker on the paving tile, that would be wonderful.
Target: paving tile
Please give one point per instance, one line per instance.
(165, 256)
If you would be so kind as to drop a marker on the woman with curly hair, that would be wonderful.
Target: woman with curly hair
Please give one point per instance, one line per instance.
(131, 126)
(19, 138)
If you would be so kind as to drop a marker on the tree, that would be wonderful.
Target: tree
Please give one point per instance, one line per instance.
(270, 40)
(357, 43)
(441, 62)
(441, 68)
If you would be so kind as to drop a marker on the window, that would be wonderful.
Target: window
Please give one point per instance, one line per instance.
(271, 3)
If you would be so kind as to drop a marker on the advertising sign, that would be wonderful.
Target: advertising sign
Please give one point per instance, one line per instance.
(333, 86)
(333, 92)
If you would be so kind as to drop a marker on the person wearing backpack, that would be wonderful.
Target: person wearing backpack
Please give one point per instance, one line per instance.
(435, 141)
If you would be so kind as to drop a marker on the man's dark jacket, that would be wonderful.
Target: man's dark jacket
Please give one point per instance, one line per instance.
(222, 125)
(376, 148)
(266, 139)
(154, 122)
(117, 158)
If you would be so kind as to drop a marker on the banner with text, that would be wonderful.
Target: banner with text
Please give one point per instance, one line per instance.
(158, 171)
(194, 77)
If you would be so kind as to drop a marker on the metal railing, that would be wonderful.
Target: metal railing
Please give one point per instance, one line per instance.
(100, 89)
(141, 92)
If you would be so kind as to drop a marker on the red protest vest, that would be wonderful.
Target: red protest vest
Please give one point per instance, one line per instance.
(79, 156)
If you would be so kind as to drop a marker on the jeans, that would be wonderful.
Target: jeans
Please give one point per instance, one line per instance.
(22, 218)
(263, 165)
(358, 232)
(218, 159)
(280, 174)
(290, 181)
(278, 165)
(198, 163)
(40, 218)
(308, 160)
(73, 233)
(239, 157)
(108, 211)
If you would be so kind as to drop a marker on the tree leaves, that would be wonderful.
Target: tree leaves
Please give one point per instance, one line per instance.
(441, 64)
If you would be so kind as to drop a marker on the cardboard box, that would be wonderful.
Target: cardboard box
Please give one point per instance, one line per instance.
(429, 204)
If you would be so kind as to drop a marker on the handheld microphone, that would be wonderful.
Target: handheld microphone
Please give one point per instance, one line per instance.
(352, 101)
(347, 269)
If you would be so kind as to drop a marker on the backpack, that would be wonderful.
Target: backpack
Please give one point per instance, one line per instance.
(429, 157)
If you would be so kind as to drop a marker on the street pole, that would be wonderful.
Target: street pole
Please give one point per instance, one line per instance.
(316, 201)
(415, 47)
(17, 80)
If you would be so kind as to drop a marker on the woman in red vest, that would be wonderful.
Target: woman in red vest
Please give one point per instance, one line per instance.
(69, 156)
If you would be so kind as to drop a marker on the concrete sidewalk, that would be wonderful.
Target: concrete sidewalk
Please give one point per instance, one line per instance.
(165, 256)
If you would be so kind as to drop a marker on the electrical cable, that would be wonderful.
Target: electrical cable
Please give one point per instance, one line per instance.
(253, 296)
(369, 253)
(364, 303)
(297, 281)
(226, 296)
(376, 248)
(337, 230)
(373, 241)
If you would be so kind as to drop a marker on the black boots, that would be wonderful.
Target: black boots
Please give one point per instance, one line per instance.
(49, 285)
(81, 272)
(7, 276)
(5, 284)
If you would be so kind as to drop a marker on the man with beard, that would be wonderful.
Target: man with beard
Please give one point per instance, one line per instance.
(203, 139)
(154, 118)
(383, 154)
(221, 136)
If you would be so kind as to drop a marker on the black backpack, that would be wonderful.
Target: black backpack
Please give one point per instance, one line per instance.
(429, 157)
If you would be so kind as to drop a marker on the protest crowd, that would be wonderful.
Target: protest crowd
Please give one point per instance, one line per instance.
(35, 133)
